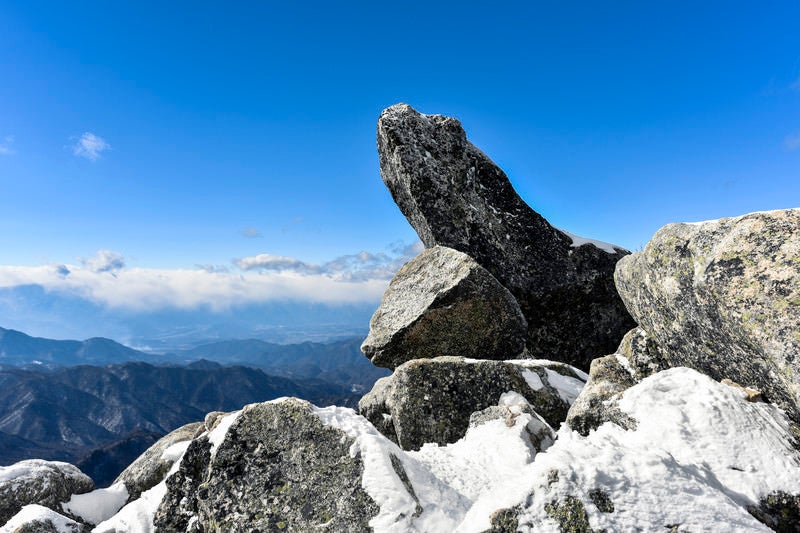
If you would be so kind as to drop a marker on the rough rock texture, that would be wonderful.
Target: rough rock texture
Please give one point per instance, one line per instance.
(779, 511)
(723, 297)
(431, 400)
(277, 469)
(608, 378)
(151, 467)
(454, 195)
(46, 483)
(444, 303)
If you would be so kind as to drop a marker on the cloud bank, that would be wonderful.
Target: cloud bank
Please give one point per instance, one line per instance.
(90, 146)
(106, 279)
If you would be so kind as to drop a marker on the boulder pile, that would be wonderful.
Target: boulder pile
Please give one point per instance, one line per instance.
(686, 421)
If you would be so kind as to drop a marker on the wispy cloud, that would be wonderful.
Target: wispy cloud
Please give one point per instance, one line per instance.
(353, 267)
(796, 85)
(792, 142)
(106, 279)
(104, 261)
(251, 232)
(90, 146)
(7, 145)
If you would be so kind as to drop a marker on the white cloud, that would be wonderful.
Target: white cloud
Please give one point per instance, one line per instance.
(104, 261)
(90, 146)
(6, 146)
(105, 279)
(792, 142)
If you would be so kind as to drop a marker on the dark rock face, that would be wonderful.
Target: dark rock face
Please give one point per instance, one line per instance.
(779, 511)
(46, 483)
(608, 377)
(454, 195)
(723, 297)
(432, 400)
(444, 303)
(150, 468)
(277, 469)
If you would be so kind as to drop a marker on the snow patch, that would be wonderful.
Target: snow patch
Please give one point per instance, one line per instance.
(217, 435)
(580, 241)
(98, 505)
(568, 388)
(699, 454)
(532, 379)
(32, 512)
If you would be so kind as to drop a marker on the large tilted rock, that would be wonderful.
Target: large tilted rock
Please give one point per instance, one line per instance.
(150, 468)
(432, 400)
(722, 297)
(444, 303)
(45, 483)
(454, 195)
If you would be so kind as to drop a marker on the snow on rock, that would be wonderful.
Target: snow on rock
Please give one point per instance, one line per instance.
(699, 456)
(137, 516)
(580, 241)
(42, 520)
(98, 505)
(34, 481)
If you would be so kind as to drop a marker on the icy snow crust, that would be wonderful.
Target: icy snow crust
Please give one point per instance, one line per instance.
(699, 455)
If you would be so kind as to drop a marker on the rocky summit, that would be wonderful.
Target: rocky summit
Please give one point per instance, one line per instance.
(454, 195)
(687, 423)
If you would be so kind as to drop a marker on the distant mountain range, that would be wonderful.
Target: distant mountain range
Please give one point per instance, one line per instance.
(31, 308)
(100, 403)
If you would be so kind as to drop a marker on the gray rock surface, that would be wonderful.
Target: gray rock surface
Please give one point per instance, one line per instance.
(151, 467)
(444, 303)
(723, 297)
(454, 195)
(608, 378)
(46, 483)
(277, 469)
(432, 400)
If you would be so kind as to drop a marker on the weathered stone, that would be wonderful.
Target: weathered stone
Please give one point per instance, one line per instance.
(444, 303)
(278, 468)
(454, 195)
(778, 511)
(569, 514)
(608, 378)
(46, 483)
(723, 297)
(432, 400)
(151, 467)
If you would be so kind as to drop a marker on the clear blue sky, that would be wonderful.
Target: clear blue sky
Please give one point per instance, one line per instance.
(210, 121)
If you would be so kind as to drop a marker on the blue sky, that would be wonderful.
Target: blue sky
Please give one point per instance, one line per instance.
(162, 136)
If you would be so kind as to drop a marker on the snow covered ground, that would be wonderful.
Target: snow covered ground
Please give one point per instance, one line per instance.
(700, 454)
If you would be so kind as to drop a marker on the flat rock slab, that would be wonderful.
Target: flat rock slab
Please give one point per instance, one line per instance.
(443, 303)
(431, 400)
(454, 195)
(722, 297)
